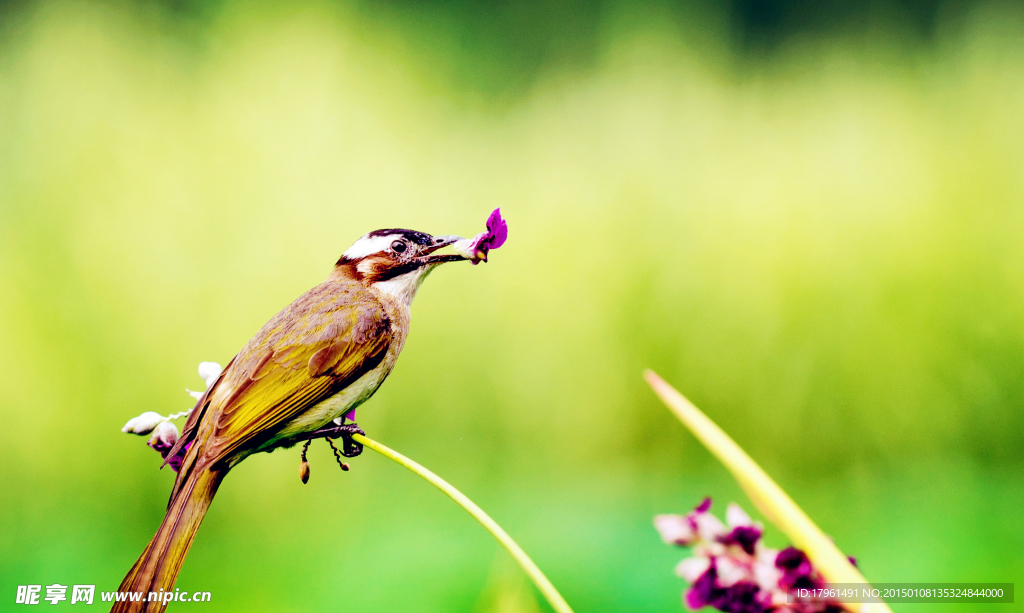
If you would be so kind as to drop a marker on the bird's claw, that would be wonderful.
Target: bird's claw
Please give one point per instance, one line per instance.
(349, 447)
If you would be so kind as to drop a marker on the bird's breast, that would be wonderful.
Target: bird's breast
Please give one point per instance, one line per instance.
(360, 390)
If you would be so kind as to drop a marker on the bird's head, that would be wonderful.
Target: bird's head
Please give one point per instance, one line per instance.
(395, 261)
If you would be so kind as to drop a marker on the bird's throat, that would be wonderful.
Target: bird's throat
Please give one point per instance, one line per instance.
(403, 287)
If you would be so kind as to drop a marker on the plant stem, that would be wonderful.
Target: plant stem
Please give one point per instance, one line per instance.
(546, 588)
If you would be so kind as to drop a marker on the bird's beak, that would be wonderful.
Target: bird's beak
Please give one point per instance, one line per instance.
(429, 257)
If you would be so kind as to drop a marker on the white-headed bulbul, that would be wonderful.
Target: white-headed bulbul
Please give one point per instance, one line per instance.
(310, 365)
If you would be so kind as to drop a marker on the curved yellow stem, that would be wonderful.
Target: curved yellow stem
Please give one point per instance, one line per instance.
(769, 498)
(546, 588)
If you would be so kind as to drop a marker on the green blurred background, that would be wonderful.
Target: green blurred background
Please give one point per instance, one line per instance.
(807, 216)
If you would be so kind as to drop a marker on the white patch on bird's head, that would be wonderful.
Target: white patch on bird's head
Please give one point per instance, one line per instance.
(368, 245)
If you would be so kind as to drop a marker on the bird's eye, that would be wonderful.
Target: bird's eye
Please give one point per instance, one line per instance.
(398, 247)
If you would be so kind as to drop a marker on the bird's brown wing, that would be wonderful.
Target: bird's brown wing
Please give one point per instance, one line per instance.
(307, 353)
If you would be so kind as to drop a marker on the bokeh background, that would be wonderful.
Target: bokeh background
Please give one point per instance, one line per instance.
(808, 216)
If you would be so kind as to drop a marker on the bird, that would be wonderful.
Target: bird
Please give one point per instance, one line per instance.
(307, 368)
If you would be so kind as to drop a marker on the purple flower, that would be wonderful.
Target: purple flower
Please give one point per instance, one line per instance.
(744, 536)
(699, 594)
(685, 530)
(740, 597)
(175, 461)
(731, 570)
(797, 571)
(476, 248)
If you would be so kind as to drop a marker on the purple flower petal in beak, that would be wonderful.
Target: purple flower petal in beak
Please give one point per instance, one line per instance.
(497, 230)
(476, 249)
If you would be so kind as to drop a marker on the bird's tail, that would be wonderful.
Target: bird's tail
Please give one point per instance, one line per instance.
(157, 568)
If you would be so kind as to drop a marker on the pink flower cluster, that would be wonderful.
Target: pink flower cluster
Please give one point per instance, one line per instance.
(731, 569)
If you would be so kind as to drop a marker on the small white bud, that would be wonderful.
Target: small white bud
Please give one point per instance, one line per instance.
(143, 424)
(209, 371)
(165, 435)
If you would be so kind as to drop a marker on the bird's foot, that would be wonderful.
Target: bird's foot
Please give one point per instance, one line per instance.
(349, 447)
(337, 456)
